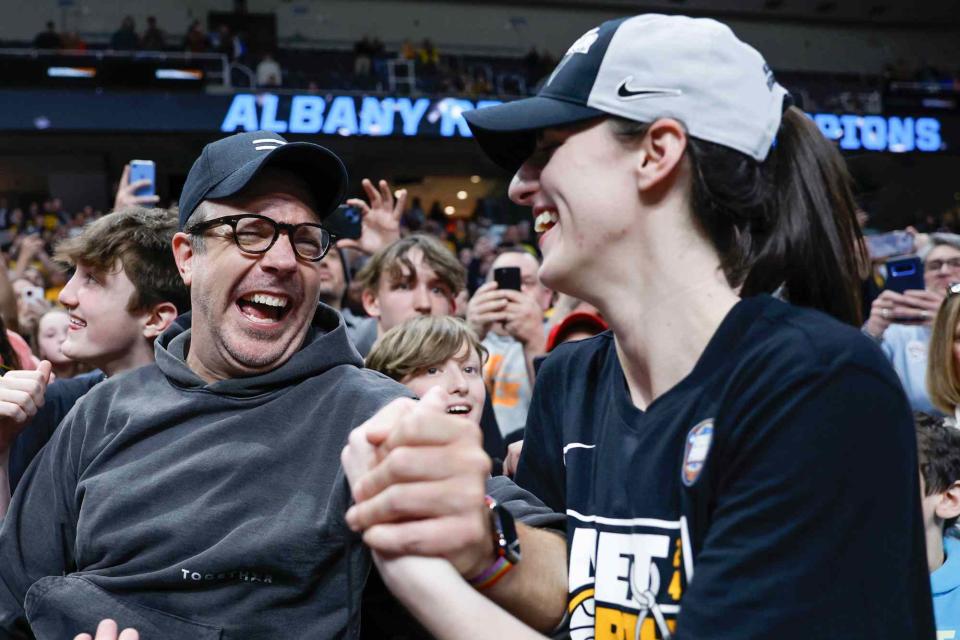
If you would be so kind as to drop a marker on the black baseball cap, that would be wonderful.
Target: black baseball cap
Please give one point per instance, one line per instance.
(228, 165)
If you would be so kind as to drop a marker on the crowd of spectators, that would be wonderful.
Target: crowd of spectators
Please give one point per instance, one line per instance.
(241, 457)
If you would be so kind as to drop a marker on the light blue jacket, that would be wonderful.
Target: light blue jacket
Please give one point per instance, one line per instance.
(906, 347)
(945, 585)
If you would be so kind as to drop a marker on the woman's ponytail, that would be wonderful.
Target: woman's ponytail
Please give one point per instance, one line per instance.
(813, 243)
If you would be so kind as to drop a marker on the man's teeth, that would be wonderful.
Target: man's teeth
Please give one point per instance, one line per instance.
(459, 409)
(263, 298)
(545, 220)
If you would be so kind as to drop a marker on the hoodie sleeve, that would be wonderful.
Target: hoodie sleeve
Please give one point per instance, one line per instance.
(38, 534)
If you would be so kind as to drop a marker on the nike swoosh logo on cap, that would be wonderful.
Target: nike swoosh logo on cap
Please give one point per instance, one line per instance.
(625, 92)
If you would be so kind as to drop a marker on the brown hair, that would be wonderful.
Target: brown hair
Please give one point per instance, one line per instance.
(392, 259)
(943, 379)
(137, 240)
(418, 343)
(938, 450)
(787, 221)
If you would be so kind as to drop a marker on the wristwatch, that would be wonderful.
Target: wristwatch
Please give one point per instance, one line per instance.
(506, 546)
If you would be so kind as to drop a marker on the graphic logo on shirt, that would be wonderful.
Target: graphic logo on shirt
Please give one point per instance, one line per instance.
(696, 451)
(627, 577)
(916, 351)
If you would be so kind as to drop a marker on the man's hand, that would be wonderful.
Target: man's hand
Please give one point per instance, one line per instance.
(424, 495)
(524, 321)
(487, 306)
(910, 307)
(21, 394)
(30, 248)
(126, 192)
(513, 458)
(380, 220)
(107, 630)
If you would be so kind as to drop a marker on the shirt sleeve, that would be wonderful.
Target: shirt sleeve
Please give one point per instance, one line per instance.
(837, 452)
(38, 534)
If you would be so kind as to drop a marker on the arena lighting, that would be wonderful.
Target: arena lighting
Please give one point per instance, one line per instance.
(404, 116)
(475, 179)
(347, 115)
(461, 195)
(878, 133)
(449, 210)
(179, 74)
(71, 72)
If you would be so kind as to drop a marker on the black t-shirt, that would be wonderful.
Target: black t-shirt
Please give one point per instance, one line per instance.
(772, 493)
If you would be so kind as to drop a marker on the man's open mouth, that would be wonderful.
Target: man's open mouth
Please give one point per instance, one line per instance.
(264, 307)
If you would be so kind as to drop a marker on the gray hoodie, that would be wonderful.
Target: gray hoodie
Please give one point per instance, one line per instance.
(195, 510)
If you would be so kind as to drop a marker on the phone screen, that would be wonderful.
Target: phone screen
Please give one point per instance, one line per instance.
(507, 278)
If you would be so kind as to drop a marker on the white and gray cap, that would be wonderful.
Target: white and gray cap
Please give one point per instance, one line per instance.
(642, 68)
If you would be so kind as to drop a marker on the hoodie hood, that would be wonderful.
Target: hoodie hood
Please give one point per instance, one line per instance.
(326, 346)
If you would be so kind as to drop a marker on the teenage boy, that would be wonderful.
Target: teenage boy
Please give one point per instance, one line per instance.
(414, 276)
(938, 447)
(125, 292)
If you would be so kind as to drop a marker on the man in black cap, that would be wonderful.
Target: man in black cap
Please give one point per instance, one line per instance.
(202, 496)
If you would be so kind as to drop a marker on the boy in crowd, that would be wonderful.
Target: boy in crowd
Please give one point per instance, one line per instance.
(938, 446)
(413, 276)
(125, 292)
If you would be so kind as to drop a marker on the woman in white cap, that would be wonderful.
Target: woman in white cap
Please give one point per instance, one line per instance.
(732, 465)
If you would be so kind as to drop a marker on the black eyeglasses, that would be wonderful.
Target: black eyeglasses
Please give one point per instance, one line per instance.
(256, 234)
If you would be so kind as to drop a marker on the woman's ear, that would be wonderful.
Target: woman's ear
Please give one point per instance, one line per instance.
(660, 154)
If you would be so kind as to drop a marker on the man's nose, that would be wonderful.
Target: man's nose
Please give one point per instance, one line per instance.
(421, 298)
(281, 256)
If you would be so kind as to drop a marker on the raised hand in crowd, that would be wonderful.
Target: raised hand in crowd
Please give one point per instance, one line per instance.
(108, 630)
(915, 306)
(127, 192)
(380, 219)
(31, 248)
(485, 308)
(21, 394)
(509, 312)
(523, 319)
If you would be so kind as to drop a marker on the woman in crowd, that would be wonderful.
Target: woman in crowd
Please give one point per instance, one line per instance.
(901, 322)
(718, 454)
(943, 363)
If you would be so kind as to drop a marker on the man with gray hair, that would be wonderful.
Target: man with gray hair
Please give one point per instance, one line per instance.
(902, 322)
